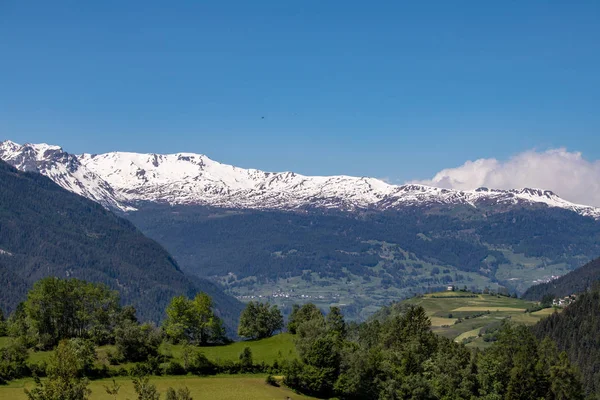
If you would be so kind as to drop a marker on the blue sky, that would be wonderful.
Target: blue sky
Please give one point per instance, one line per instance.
(388, 89)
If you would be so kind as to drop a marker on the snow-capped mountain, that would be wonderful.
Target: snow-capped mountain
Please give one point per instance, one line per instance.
(64, 169)
(120, 180)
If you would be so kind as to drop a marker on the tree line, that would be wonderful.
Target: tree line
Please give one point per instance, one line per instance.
(399, 357)
(395, 355)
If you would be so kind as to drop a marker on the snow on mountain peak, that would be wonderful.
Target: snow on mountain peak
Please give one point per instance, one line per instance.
(121, 179)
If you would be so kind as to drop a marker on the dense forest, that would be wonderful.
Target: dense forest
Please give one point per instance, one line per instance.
(271, 244)
(576, 281)
(577, 331)
(48, 231)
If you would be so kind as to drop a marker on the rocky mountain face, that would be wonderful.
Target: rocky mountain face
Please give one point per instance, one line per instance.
(122, 181)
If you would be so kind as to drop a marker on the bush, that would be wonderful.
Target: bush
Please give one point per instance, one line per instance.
(12, 362)
(137, 342)
(38, 369)
(179, 394)
(200, 365)
(270, 380)
(114, 357)
(172, 368)
(228, 367)
(246, 362)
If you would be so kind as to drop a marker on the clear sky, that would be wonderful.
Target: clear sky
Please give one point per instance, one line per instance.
(388, 89)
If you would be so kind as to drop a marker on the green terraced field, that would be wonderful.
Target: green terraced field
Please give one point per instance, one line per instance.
(476, 311)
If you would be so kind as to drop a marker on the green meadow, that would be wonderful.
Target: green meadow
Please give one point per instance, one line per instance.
(220, 387)
(462, 316)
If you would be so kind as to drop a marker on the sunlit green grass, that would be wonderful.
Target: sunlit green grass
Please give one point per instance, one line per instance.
(444, 309)
(268, 350)
(279, 347)
(220, 387)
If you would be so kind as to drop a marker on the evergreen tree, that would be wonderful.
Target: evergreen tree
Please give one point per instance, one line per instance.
(335, 322)
(565, 380)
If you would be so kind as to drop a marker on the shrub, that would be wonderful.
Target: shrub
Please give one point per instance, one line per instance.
(200, 365)
(137, 342)
(246, 359)
(270, 380)
(12, 361)
(179, 394)
(172, 368)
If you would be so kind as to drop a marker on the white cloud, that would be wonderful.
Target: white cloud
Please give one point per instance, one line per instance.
(566, 173)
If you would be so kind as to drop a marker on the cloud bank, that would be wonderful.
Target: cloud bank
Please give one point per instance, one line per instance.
(566, 173)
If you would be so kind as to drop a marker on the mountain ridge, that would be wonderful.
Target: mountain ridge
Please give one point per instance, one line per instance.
(46, 230)
(120, 180)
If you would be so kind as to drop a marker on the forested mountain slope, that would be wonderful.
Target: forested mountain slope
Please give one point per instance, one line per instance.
(574, 282)
(48, 231)
(333, 240)
(576, 330)
(370, 258)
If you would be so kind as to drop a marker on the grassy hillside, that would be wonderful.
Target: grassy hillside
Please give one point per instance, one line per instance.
(464, 315)
(221, 387)
(278, 347)
(267, 350)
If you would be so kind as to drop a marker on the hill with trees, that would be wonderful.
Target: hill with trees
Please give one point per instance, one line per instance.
(48, 231)
(368, 259)
(576, 281)
(577, 332)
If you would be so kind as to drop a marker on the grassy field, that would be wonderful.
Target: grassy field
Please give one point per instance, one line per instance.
(220, 387)
(476, 311)
(278, 347)
(267, 350)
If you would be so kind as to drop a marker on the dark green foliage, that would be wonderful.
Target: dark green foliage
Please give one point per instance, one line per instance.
(58, 309)
(335, 322)
(244, 242)
(574, 282)
(12, 361)
(302, 314)
(259, 320)
(48, 231)
(198, 364)
(397, 356)
(173, 368)
(2, 324)
(64, 382)
(137, 342)
(270, 380)
(246, 361)
(576, 331)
